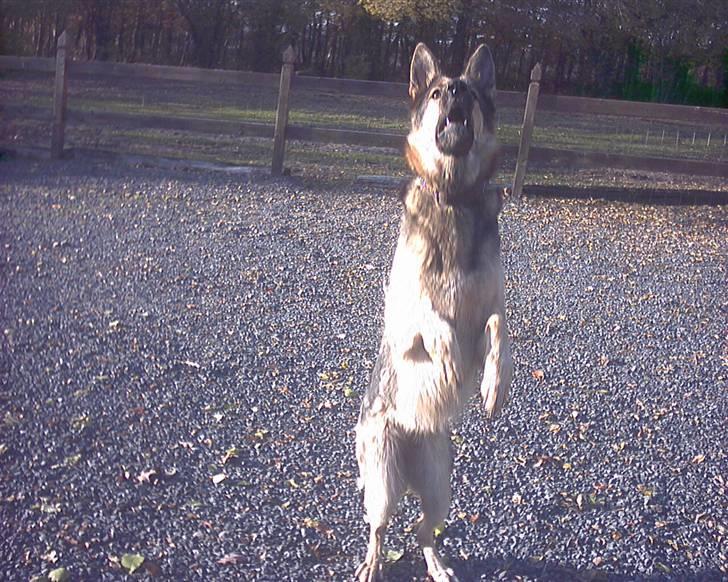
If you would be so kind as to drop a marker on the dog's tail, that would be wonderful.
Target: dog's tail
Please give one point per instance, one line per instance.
(498, 370)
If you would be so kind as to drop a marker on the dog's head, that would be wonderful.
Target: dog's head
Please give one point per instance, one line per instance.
(451, 144)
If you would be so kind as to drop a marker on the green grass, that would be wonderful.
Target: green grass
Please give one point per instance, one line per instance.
(321, 109)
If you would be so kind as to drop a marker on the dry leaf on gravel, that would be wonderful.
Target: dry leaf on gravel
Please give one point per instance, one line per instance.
(230, 559)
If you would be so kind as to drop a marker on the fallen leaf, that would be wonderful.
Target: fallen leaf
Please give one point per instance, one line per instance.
(148, 476)
(393, 555)
(59, 575)
(318, 526)
(261, 433)
(230, 559)
(538, 375)
(71, 460)
(81, 422)
(46, 507)
(51, 557)
(698, 459)
(646, 491)
(231, 454)
(132, 562)
(541, 461)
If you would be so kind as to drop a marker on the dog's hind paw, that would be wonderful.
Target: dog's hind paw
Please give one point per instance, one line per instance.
(368, 571)
(442, 574)
(436, 570)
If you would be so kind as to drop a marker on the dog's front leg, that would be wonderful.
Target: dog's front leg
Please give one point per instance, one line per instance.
(498, 369)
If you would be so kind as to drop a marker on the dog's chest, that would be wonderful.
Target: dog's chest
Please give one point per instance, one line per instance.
(453, 245)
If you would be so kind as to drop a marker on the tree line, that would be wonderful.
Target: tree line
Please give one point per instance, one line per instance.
(652, 50)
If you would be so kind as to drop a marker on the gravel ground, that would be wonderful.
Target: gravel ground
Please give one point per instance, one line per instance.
(183, 354)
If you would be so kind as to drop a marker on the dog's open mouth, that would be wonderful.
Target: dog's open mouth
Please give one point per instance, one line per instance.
(454, 133)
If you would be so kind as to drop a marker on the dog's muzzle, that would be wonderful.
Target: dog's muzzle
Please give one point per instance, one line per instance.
(454, 130)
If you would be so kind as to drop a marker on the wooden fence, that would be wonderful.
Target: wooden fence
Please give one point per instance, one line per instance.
(286, 82)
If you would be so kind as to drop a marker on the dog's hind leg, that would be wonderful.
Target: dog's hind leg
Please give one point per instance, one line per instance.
(428, 473)
(378, 448)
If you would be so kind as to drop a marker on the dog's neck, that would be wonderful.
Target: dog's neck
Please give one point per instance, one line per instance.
(444, 196)
(479, 195)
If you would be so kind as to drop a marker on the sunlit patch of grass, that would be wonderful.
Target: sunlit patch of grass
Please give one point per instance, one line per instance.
(323, 109)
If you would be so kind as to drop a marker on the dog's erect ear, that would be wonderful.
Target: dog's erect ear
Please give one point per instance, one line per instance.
(480, 71)
(423, 69)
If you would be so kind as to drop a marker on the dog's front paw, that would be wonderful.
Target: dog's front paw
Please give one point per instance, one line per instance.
(493, 388)
(498, 370)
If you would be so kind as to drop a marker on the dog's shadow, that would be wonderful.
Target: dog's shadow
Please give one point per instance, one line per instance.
(510, 568)
(412, 567)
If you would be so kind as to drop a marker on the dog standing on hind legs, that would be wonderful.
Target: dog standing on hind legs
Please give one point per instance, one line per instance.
(444, 316)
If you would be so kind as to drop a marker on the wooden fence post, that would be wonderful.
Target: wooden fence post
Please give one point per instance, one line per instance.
(526, 131)
(59, 99)
(284, 90)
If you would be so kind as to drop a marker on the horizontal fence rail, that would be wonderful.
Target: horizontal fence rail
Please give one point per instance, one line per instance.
(525, 152)
(616, 107)
(32, 64)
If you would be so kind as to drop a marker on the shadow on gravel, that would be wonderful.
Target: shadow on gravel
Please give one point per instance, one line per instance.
(661, 196)
(514, 569)
(412, 567)
(511, 568)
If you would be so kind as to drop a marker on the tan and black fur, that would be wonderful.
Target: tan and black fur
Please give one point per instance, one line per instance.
(444, 315)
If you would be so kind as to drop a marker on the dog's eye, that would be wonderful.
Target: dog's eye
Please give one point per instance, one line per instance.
(436, 94)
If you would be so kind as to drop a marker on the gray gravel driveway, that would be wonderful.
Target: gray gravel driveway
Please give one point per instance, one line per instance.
(183, 355)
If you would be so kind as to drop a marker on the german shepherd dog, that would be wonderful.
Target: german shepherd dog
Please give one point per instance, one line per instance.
(444, 314)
